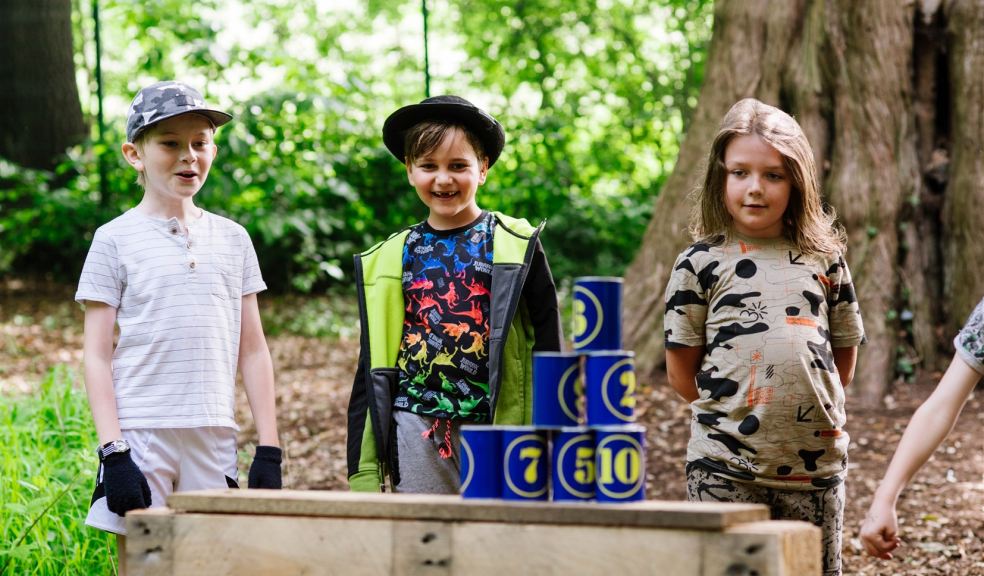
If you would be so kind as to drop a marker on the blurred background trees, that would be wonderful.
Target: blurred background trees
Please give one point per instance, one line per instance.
(596, 98)
(593, 96)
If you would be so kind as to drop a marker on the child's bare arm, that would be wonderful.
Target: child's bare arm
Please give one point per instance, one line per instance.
(97, 352)
(257, 369)
(682, 365)
(845, 359)
(928, 428)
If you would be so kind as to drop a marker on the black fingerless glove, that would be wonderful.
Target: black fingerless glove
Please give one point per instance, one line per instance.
(126, 486)
(265, 470)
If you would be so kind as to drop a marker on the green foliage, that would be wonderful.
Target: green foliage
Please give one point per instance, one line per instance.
(594, 98)
(335, 316)
(47, 219)
(597, 102)
(47, 473)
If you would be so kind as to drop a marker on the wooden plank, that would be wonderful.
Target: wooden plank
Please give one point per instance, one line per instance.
(197, 543)
(650, 513)
(780, 547)
(488, 549)
(285, 545)
(149, 542)
(422, 548)
(282, 545)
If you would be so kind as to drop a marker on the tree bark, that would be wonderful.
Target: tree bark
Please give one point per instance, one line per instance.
(963, 229)
(867, 85)
(868, 59)
(40, 113)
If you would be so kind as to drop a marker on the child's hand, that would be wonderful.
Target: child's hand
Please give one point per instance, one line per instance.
(265, 470)
(126, 486)
(880, 530)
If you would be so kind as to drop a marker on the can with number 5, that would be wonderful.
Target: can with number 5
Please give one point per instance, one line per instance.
(572, 457)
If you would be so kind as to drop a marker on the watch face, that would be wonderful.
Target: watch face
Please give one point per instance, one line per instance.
(114, 447)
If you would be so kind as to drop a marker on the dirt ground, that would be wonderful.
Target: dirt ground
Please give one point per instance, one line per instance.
(941, 513)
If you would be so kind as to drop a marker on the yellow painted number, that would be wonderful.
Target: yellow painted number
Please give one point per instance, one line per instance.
(584, 465)
(531, 453)
(622, 465)
(629, 382)
(580, 322)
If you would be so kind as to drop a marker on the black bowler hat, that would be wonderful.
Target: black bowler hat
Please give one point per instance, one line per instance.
(453, 109)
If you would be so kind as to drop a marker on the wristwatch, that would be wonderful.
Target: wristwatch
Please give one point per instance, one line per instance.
(114, 447)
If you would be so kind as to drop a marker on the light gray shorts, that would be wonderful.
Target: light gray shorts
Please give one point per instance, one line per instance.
(173, 460)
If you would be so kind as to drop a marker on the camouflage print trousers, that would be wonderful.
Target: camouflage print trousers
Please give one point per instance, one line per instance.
(824, 507)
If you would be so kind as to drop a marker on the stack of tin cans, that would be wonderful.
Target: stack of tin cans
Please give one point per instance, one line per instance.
(583, 444)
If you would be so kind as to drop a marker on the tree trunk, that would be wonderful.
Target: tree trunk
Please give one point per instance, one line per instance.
(40, 114)
(868, 95)
(868, 58)
(963, 225)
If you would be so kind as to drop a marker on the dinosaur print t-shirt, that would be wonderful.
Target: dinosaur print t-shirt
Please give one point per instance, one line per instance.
(443, 357)
(771, 405)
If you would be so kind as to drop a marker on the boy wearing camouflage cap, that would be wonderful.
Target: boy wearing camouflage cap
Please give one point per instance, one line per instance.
(181, 284)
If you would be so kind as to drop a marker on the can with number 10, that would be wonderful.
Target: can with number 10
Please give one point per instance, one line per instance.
(620, 463)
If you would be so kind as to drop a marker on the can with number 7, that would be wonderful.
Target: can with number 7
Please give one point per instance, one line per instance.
(524, 463)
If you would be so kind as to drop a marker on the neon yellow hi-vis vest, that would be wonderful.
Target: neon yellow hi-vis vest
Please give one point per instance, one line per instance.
(381, 306)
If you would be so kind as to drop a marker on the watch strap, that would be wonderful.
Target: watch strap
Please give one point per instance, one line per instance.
(113, 447)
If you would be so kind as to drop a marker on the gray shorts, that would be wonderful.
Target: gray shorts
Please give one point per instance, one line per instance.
(823, 507)
(172, 460)
(420, 468)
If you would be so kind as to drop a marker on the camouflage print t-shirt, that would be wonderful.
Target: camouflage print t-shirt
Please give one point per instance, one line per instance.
(771, 405)
(970, 341)
(443, 358)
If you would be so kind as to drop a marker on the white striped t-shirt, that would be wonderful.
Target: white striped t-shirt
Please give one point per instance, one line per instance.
(178, 301)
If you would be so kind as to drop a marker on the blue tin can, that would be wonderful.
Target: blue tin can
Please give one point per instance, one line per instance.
(481, 458)
(620, 460)
(524, 463)
(556, 388)
(610, 386)
(597, 313)
(572, 457)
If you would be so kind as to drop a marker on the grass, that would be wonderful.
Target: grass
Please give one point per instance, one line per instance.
(47, 472)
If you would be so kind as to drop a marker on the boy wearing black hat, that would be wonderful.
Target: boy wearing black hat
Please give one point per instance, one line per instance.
(451, 308)
(181, 285)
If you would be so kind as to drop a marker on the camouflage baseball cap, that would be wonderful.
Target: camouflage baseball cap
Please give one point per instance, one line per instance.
(163, 100)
